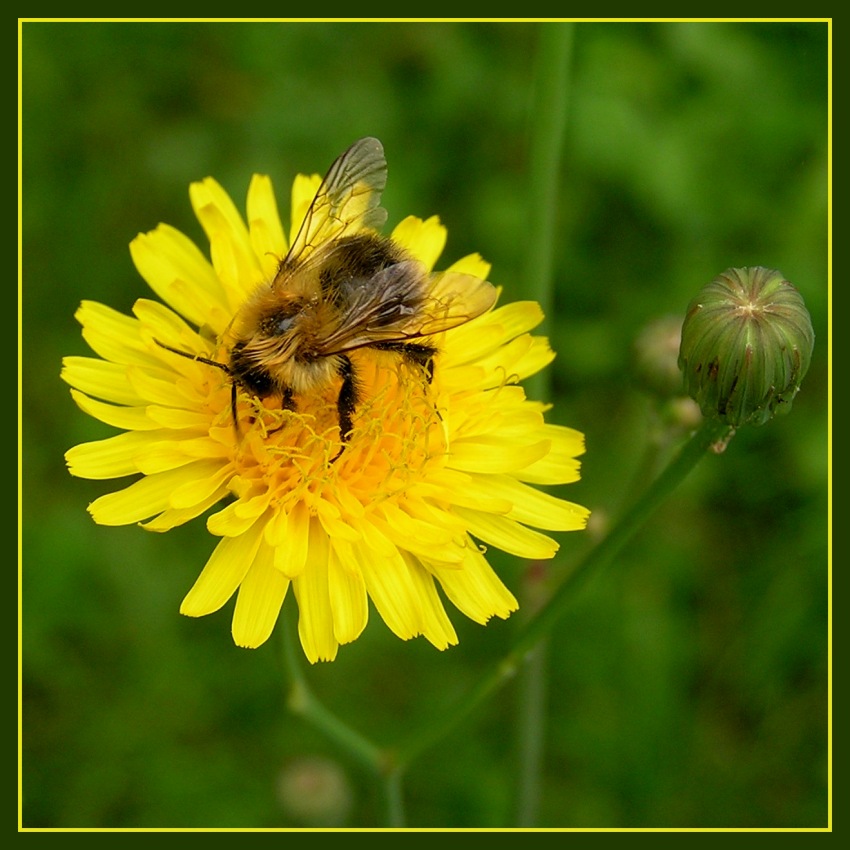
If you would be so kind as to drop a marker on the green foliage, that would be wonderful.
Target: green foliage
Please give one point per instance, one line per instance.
(688, 684)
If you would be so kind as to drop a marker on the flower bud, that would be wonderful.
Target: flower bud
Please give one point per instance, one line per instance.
(314, 790)
(656, 351)
(746, 344)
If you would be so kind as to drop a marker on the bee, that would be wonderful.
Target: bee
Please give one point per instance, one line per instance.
(340, 288)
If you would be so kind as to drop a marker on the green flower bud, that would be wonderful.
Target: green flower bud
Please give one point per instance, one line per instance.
(656, 352)
(746, 344)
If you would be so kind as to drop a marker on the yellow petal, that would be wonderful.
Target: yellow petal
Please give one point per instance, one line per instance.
(451, 486)
(304, 189)
(160, 387)
(146, 497)
(425, 240)
(389, 584)
(473, 264)
(169, 454)
(315, 618)
(416, 535)
(515, 360)
(501, 415)
(494, 455)
(174, 418)
(508, 535)
(172, 517)
(347, 590)
(483, 337)
(436, 626)
(476, 590)
(158, 322)
(113, 457)
(235, 519)
(178, 272)
(112, 335)
(460, 297)
(276, 528)
(224, 571)
(469, 343)
(236, 265)
(530, 506)
(203, 487)
(446, 552)
(517, 318)
(293, 533)
(460, 379)
(559, 466)
(127, 418)
(264, 225)
(338, 529)
(261, 595)
(101, 380)
(538, 356)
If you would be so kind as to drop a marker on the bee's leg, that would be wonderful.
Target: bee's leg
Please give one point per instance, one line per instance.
(347, 401)
(233, 411)
(413, 352)
(423, 358)
(417, 353)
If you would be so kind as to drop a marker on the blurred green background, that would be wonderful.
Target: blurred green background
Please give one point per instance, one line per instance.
(688, 682)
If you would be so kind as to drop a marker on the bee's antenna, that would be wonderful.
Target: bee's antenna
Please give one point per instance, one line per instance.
(198, 358)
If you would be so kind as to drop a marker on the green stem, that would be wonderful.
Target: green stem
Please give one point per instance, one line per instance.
(709, 433)
(303, 702)
(443, 722)
(532, 687)
(548, 124)
(393, 798)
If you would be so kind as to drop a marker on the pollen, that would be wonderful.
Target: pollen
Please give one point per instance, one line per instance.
(298, 454)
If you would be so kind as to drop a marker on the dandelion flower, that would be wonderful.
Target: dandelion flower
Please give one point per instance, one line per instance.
(435, 467)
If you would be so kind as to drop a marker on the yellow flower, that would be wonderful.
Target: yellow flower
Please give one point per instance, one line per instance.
(431, 470)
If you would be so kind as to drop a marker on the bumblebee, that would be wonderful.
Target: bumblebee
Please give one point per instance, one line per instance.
(343, 287)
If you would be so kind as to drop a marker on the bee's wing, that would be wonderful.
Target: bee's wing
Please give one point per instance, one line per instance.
(350, 196)
(453, 299)
(392, 308)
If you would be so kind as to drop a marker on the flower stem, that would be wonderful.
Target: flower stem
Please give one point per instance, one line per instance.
(710, 433)
(303, 702)
(548, 117)
(393, 798)
(532, 689)
(548, 127)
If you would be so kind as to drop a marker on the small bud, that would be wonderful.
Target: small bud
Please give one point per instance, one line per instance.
(314, 790)
(656, 351)
(746, 345)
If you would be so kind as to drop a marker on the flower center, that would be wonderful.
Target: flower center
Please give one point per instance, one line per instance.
(297, 452)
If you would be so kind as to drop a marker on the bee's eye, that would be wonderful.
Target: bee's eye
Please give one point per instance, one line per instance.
(283, 324)
(277, 324)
